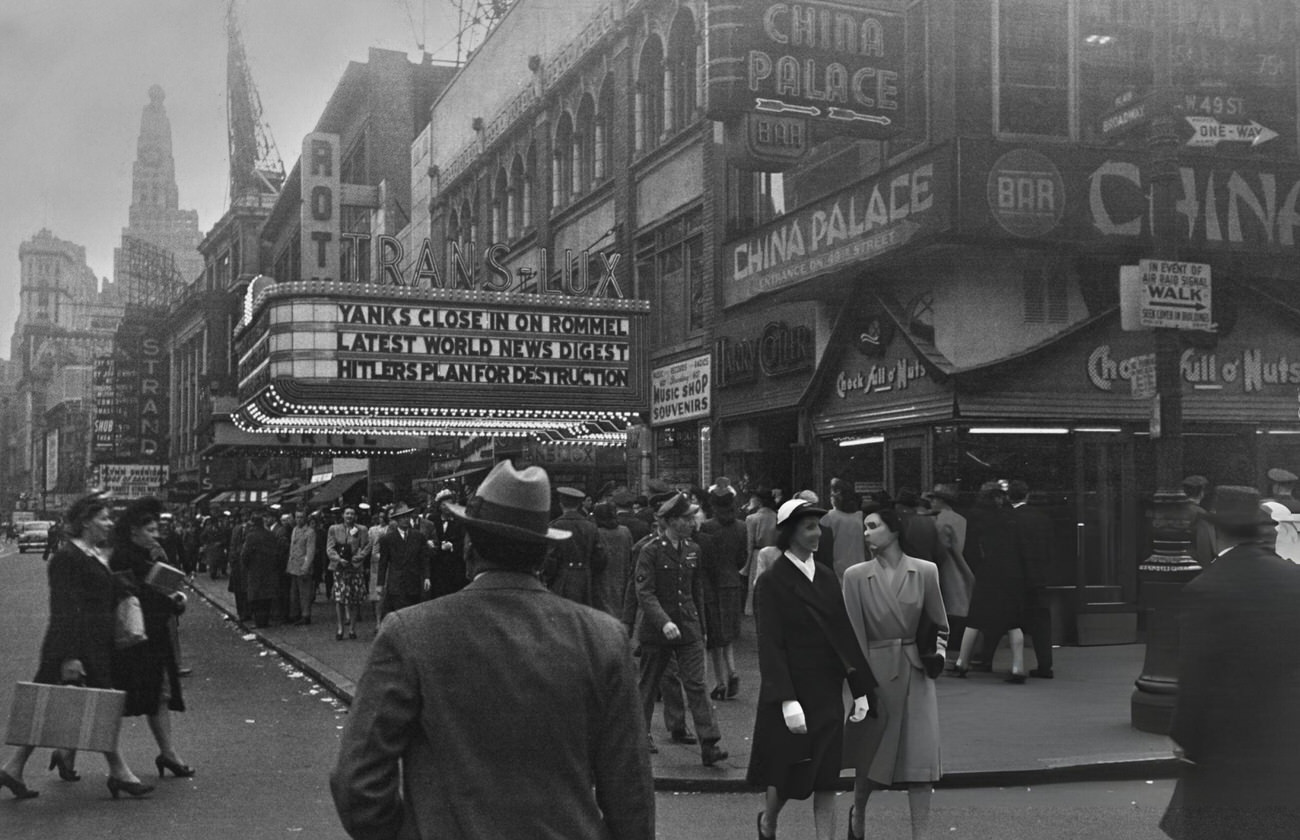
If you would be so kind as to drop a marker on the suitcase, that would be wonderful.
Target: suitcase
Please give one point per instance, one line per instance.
(65, 716)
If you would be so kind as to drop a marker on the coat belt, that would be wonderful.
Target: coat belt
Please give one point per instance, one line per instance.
(897, 645)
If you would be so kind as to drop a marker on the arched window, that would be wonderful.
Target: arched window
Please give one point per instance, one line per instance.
(500, 209)
(680, 73)
(562, 166)
(603, 138)
(650, 95)
(584, 146)
(515, 207)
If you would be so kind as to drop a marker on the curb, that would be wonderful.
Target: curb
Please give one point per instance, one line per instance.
(1097, 771)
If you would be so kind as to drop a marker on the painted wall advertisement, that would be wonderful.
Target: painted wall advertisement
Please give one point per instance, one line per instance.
(855, 225)
(839, 64)
(681, 391)
(1095, 194)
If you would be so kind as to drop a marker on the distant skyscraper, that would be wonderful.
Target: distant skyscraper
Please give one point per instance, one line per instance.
(155, 214)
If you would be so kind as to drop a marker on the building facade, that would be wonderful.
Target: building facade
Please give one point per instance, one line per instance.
(66, 318)
(882, 241)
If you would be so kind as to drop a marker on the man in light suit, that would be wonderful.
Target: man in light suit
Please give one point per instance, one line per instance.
(501, 710)
(1235, 716)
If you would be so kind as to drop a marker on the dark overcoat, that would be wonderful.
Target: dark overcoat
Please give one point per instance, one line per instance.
(996, 555)
(404, 566)
(83, 601)
(806, 650)
(1235, 713)
(140, 670)
(500, 710)
(263, 561)
(1034, 530)
(575, 568)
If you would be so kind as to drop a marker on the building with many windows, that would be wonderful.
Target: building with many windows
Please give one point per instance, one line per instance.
(883, 240)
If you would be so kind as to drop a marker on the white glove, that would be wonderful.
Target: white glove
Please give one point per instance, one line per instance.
(860, 708)
(794, 719)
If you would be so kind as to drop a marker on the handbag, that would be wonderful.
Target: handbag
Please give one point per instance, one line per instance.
(128, 625)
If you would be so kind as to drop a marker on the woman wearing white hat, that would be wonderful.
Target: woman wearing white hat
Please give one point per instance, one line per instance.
(806, 651)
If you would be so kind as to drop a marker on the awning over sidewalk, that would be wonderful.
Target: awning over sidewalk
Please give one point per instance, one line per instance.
(333, 490)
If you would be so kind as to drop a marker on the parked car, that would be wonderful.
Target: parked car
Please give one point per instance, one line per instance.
(33, 534)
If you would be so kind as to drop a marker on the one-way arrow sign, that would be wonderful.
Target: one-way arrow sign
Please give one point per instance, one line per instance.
(1208, 131)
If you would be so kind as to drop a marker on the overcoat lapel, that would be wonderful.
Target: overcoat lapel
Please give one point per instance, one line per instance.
(887, 599)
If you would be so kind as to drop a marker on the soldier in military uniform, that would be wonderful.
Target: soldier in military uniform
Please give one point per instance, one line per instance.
(670, 594)
(575, 567)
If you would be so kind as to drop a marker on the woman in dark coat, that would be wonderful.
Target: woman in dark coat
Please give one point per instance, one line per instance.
(148, 672)
(997, 603)
(806, 650)
(78, 646)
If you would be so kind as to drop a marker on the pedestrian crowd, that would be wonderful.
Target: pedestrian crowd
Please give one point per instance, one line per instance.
(531, 632)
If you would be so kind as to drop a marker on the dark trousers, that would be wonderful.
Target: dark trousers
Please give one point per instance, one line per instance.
(956, 629)
(690, 666)
(1038, 624)
(670, 692)
(261, 609)
(241, 605)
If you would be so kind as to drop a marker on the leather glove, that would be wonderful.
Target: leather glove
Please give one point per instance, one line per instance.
(861, 705)
(794, 718)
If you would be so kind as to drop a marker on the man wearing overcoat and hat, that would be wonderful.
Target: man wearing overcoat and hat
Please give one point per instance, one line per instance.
(405, 561)
(1235, 717)
(575, 568)
(500, 710)
(670, 594)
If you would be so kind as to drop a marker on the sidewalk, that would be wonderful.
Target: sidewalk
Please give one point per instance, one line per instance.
(1073, 728)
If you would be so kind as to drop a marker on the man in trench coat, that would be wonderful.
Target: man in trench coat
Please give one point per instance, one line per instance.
(1235, 718)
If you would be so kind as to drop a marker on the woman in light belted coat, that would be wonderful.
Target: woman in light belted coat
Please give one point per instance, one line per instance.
(886, 599)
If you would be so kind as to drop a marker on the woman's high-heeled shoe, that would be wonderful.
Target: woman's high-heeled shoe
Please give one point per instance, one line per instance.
(180, 771)
(761, 835)
(1015, 679)
(352, 634)
(66, 773)
(116, 786)
(959, 671)
(338, 636)
(851, 835)
(17, 788)
(719, 693)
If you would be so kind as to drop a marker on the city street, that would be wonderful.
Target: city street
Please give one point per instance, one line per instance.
(263, 737)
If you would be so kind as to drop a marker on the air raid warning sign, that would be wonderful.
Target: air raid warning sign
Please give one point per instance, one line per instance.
(1175, 294)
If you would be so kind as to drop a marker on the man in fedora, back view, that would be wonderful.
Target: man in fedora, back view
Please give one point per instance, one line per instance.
(501, 710)
(1238, 684)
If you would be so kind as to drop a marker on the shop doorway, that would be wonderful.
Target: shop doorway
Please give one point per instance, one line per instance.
(1106, 522)
(907, 463)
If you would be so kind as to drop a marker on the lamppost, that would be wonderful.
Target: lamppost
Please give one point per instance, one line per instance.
(1162, 575)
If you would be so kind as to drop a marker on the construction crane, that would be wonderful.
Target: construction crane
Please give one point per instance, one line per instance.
(256, 169)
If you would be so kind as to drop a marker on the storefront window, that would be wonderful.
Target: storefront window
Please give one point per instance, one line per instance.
(677, 453)
(1033, 67)
(862, 463)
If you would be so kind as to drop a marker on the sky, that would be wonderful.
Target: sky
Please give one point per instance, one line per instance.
(75, 75)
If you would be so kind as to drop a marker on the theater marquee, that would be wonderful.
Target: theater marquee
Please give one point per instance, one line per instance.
(338, 357)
